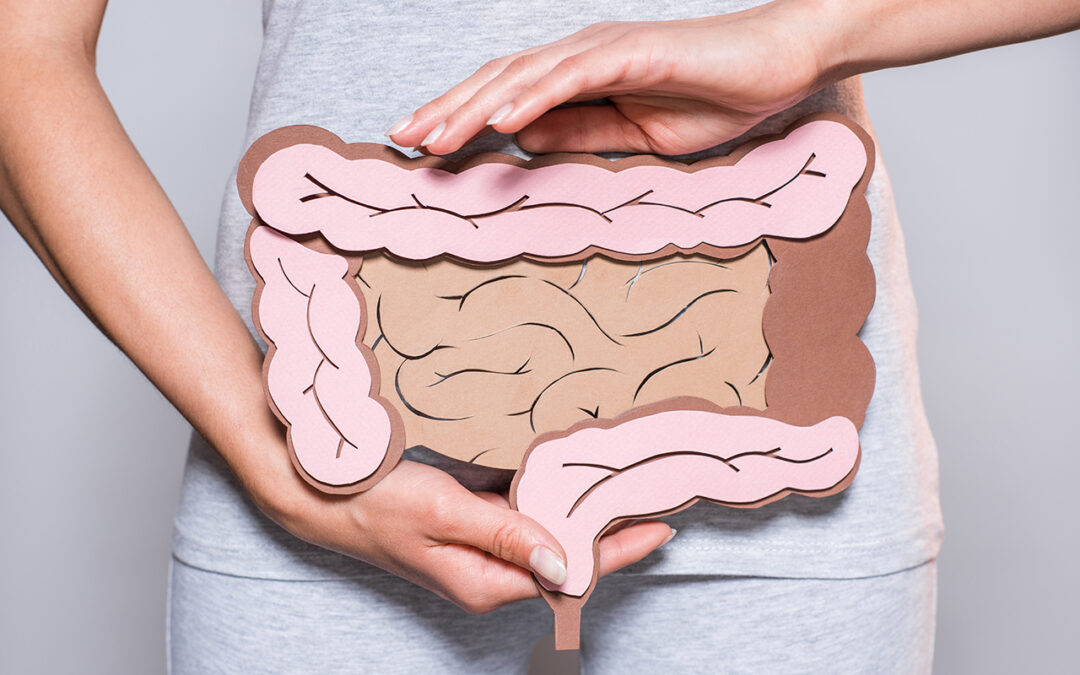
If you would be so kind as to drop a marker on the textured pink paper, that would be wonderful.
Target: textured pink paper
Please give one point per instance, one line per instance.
(796, 187)
(318, 378)
(578, 484)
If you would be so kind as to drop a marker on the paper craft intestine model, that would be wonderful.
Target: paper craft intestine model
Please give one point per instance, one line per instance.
(630, 336)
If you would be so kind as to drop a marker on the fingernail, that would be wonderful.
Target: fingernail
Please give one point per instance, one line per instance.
(400, 125)
(669, 537)
(544, 562)
(502, 112)
(434, 135)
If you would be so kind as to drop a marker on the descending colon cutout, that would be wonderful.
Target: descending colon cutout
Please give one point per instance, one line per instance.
(485, 358)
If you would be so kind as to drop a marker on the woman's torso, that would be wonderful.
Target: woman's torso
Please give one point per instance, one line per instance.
(355, 68)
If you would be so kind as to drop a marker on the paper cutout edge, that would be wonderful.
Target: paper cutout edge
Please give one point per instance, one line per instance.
(271, 142)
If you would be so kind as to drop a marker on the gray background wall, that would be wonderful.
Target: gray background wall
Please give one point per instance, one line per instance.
(981, 150)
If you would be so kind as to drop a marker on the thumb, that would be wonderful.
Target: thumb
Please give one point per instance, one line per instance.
(510, 536)
(636, 124)
(587, 128)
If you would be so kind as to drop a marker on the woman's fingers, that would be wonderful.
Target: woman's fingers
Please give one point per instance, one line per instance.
(415, 128)
(662, 125)
(533, 84)
(585, 128)
(578, 75)
(502, 532)
(491, 102)
(475, 580)
(631, 544)
(478, 582)
(424, 151)
(451, 132)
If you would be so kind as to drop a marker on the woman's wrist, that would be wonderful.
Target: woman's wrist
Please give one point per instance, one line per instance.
(812, 36)
(822, 32)
(256, 452)
(860, 37)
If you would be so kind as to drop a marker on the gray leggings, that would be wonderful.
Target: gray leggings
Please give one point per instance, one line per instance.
(219, 623)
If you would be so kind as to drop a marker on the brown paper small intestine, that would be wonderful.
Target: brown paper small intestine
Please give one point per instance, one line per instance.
(480, 360)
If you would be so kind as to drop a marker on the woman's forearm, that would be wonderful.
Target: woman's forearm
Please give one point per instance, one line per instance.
(78, 191)
(876, 34)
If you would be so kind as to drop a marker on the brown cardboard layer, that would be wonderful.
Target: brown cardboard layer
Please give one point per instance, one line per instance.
(480, 360)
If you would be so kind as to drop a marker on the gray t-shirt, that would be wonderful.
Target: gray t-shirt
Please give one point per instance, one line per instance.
(356, 67)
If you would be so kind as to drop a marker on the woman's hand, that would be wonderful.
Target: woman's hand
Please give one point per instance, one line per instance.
(674, 87)
(421, 524)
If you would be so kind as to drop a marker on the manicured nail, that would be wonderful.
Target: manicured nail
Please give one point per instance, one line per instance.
(547, 564)
(434, 135)
(502, 112)
(669, 537)
(400, 125)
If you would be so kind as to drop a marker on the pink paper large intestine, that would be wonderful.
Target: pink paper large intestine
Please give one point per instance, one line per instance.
(794, 188)
(320, 379)
(578, 484)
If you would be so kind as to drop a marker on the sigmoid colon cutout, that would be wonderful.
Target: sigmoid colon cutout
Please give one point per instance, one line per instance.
(629, 336)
